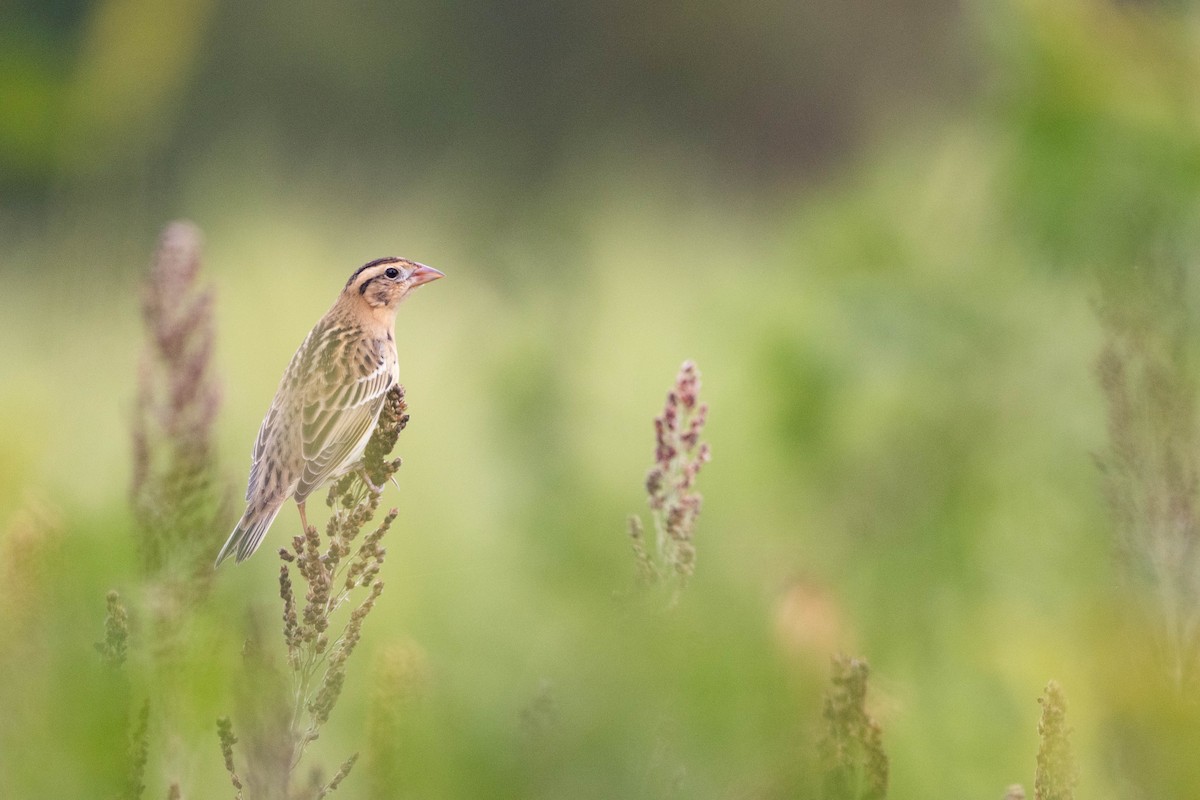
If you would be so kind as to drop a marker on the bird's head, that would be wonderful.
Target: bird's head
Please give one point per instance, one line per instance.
(377, 287)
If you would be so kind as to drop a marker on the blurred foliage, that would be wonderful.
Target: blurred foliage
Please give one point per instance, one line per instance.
(882, 233)
(133, 91)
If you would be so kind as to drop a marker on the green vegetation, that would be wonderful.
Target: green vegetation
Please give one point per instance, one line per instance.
(948, 347)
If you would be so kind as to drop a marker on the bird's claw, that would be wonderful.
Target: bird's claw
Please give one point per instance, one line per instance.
(366, 479)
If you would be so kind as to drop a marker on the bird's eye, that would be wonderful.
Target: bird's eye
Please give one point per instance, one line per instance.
(392, 272)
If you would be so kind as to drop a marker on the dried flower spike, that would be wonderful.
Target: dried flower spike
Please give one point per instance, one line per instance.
(338, 777)
(670, 485)
(228, 740)
(317, 576)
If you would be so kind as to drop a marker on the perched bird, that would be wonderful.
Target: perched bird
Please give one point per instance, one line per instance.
(329, 399)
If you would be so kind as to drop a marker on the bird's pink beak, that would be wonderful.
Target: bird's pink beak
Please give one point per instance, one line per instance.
(424, 274)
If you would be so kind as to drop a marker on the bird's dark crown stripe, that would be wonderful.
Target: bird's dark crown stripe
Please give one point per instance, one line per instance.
(375, 263)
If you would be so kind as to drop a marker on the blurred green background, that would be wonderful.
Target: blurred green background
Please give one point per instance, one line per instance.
(878, 229)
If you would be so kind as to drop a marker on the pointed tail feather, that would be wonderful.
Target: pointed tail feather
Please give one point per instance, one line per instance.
(248, 534)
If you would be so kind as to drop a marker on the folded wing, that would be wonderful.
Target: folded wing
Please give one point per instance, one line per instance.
(337, 418)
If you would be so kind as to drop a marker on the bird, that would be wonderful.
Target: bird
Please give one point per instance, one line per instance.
(328, 400)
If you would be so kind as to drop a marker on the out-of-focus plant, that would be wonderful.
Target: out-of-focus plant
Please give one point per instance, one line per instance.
(115, 647)
(114, 652)
(334, 572)
(178, 498)
(399, 684)
(853, 762)
(1056, 770)
(138, 756)
(1056, 773)
(30, 560)
(1150, 466)
(670, 485)
(28, 546)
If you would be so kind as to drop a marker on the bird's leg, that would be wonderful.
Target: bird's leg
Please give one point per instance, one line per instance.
(303, 517)
(362, 473)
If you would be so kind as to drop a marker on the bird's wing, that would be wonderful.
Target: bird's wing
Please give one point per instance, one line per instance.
(256, 455)
(340, 408)
(275, 443)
